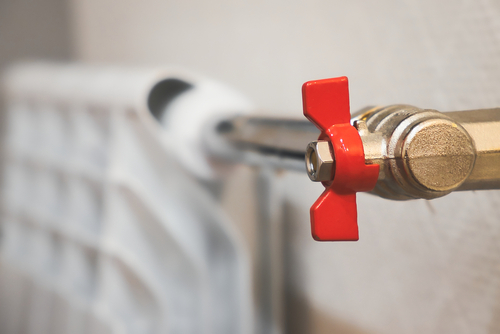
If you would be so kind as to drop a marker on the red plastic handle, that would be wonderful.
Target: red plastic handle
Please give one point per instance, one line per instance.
(334, 215)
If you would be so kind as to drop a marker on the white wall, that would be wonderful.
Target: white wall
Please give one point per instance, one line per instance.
(34, 29)
(420, 267)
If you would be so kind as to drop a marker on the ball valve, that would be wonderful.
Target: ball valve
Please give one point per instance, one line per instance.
(398, 152)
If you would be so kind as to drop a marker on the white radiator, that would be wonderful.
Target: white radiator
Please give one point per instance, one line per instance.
(104, 230)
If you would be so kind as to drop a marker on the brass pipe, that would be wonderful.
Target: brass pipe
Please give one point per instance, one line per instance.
(484, 128)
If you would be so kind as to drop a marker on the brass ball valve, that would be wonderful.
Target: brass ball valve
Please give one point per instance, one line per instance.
(398, 152)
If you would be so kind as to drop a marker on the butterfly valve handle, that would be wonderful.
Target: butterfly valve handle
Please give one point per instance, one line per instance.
(337, 159)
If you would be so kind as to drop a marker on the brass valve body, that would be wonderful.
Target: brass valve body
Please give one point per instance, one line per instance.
(427, 154)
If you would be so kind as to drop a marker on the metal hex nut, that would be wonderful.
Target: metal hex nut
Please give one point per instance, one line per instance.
(320, 161)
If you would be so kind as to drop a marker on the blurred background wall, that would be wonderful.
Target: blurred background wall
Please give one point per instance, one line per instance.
(420, 266)
(32, 29)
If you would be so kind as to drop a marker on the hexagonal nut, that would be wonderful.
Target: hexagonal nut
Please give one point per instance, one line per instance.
(320, 161)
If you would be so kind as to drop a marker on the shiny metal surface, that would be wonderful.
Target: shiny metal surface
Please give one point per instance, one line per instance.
(427, 154)
(422, 153)
(320, 162)
(484, 128)
(279, 143)
(438, 145)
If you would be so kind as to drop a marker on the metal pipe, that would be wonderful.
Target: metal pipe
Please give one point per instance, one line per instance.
(422, 153)
(279, 143)
(484, 128)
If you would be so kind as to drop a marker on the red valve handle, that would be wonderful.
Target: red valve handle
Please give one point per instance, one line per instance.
(334, 214)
